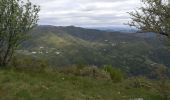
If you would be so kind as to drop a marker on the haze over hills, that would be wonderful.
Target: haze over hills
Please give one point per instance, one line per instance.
(118, 28)
(63, 46)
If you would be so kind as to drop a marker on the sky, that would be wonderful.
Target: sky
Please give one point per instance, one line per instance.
(85, 13)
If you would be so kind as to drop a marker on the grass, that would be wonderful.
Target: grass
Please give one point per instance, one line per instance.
(54, 85)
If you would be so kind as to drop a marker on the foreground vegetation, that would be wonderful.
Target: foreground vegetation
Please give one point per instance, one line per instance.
(67, 84)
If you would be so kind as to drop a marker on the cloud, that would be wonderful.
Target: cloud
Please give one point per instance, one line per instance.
(85, 12)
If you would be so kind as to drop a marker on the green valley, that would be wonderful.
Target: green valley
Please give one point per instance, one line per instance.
(134, 53)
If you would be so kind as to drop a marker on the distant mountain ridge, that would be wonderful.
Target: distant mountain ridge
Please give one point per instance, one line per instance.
(98, 30)
(121, 29)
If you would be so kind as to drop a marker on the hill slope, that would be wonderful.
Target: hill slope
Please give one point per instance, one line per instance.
(63, 46)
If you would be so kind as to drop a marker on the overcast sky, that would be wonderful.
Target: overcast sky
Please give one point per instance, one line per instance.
(85, 12)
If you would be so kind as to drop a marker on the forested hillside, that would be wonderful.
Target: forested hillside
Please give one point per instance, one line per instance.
(135, 53)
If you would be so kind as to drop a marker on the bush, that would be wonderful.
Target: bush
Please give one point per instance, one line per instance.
(28, 63)
(93, 71)
(115, 74)
(73, 70)
(139, 82)
(86, 71)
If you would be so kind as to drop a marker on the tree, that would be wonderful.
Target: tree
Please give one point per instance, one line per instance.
(16, 19)
(154, 16)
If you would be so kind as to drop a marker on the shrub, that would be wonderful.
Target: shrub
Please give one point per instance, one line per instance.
(115, 74)
(139, 82)
(86, 71)
(28, 63)
(74, 70)
(95, 72)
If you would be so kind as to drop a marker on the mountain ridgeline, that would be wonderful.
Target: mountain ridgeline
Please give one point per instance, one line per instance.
(135, 53)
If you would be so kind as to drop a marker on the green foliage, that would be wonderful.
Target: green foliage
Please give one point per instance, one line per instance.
(53, 85)
(29, 63)
(153, 17)
(86, 71)
(23, 95)
(93, 71)
(163, 88)
(139, 82)
(133, 53)
(17, 17)
(115, 74)
(72, 70)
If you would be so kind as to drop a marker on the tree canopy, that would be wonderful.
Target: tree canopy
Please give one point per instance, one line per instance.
(17, 17)
(153, 16)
